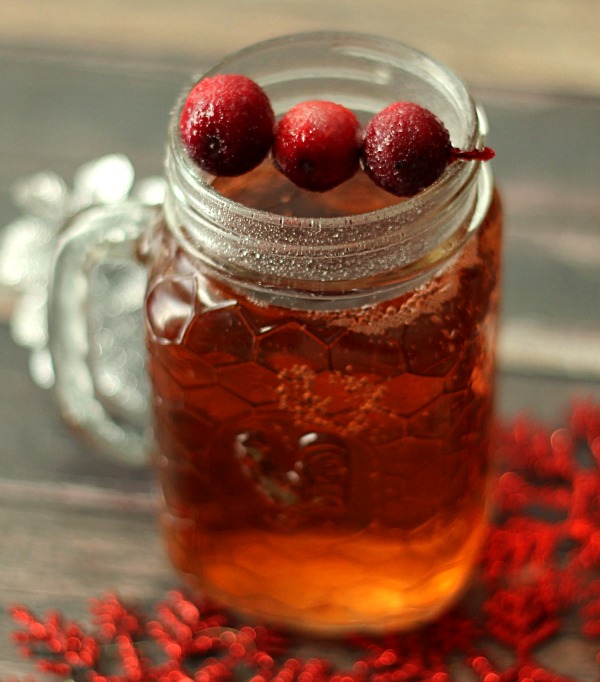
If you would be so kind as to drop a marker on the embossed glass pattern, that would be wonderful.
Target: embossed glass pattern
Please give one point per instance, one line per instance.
(323, 386)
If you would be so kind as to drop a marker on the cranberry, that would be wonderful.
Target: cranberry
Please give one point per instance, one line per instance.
(405, 149)
(317, 145)
(227, 124)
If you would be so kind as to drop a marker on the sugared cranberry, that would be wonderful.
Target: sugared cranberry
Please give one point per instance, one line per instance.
(227, 124)
(317, 145)
(405, 148)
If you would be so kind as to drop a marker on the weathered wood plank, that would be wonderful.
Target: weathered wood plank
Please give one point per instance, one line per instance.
(61, 547)
(547, 45)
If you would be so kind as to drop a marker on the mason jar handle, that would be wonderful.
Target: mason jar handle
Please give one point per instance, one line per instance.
(95, 236)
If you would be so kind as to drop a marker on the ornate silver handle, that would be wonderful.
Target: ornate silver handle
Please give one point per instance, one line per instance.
(96, 292)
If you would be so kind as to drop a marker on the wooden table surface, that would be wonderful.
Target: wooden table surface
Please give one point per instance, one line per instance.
(79, 80)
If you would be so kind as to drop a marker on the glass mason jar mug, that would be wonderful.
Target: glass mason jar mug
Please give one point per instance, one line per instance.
(321, 365)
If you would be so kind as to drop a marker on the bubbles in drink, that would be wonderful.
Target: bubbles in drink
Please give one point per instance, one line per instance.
(325, 469)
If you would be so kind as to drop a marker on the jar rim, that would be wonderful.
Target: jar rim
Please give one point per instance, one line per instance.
(459, 172)
(264, 245)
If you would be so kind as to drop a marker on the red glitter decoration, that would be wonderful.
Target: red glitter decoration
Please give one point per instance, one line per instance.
(539, 579)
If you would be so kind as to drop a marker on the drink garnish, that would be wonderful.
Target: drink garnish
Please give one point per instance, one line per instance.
(405, 148)
(317, 145)
(227, 126)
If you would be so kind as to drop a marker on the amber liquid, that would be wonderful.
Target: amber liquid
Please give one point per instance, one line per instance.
(326, 471)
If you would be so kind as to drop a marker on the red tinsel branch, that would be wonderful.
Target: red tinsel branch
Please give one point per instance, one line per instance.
(537, 572)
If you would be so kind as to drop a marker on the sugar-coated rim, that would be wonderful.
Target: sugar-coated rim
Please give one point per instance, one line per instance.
(404, 232)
